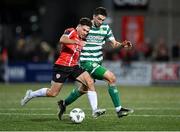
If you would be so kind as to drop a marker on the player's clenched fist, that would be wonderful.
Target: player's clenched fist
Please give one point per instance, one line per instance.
(126, 44)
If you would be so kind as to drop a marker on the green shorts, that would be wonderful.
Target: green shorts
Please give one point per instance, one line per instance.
(94, 69)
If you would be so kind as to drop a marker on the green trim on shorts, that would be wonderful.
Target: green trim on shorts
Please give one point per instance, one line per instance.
(96, 70)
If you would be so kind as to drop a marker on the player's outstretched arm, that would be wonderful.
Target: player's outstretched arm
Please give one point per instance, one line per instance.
(124, 44)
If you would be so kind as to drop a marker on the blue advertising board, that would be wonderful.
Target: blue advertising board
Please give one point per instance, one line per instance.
(29, 72)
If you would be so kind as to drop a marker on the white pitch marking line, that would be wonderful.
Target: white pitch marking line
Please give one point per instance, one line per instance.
(44, 109)
(13, 109)
(46, 114)
(25, 114)
(139, 102)
(178, 116)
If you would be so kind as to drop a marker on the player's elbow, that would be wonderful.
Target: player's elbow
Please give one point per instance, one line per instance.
(61, 40)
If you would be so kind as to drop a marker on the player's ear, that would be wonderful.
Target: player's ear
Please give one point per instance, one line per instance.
(79, 25)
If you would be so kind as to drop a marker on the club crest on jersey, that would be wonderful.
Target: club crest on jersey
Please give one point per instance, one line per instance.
(58, 76)
(94, 64)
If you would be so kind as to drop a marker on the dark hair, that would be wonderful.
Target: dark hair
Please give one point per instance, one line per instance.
(85, 21)
(100, 11)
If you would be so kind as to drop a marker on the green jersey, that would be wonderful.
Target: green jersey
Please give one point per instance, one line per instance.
(96, 38)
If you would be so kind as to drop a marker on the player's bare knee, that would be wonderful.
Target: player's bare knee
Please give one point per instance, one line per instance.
(90, 84)
(112, 79)
(52, 94)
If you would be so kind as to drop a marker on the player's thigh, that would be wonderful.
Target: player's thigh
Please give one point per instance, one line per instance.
(61, 73)
(77, 74)
(85, 78)
(81, 87)
(87, 81)
(59, 76)
(96, 70)
(99, 73)
(55, 87)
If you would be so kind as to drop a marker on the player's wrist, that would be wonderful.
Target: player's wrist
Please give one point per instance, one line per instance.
(120, 44)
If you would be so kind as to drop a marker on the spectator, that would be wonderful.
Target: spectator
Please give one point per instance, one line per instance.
(3, 62)
(19, 53)
(145, 51)
(128, 55)
(161, 53)
(176, 51)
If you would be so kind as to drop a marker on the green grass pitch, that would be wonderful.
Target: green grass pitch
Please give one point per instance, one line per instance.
(156, 108)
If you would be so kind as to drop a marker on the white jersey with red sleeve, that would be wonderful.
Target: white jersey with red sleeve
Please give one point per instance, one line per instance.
(69, 54)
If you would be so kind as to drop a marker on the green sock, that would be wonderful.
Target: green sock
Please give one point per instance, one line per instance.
(74, 95)
(113, 92)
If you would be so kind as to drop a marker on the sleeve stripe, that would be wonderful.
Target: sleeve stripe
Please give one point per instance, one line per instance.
(71, 33)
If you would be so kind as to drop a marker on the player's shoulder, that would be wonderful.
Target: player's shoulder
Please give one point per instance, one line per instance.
(104, 25)
(69, 30)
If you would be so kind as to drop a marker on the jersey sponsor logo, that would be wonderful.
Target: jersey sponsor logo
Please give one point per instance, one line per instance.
(58, 76)
(95, 38)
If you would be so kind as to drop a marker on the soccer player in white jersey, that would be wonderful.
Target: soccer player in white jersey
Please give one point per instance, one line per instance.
(91, 59)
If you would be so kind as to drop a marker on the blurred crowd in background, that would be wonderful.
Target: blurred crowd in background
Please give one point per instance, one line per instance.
(34, 49)
(30, 31)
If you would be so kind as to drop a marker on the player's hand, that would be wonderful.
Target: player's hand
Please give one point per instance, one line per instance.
(81, 43)
(126, 44)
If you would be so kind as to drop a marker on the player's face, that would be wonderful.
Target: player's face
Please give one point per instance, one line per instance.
(98, 20)
(83, 31)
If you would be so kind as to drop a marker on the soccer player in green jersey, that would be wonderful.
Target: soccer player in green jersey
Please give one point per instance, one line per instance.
(91, 59)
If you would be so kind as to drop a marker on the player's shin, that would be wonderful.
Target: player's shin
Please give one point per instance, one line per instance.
(39, 93)
(74, 95)
(92, 96)
(113, 92)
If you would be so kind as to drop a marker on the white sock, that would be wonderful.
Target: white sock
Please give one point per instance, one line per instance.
(118, 108)
(92, 96)
(39, 93)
